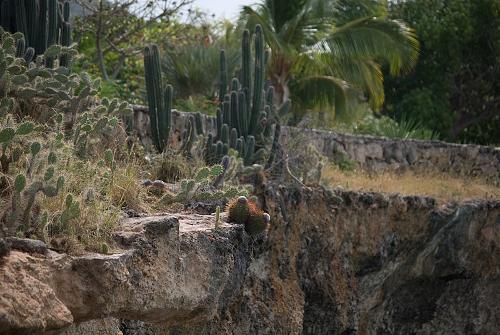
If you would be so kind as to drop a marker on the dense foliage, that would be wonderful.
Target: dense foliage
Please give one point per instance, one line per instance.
(454, 89)
(328, 53)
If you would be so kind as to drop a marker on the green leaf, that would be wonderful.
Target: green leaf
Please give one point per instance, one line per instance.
(49, 173)
(6, 102)
(190, 185)
(231, 192)
(19, 79)
(27, 93)
(6, 135)
(60, 182)
(216, 170)
(15, 69)
(100, 109)
(20, 183)
(52, 102)
(69, 200)
(113, 121)
(61, 78)
(86, 128)
(16, 154)
(52, 51)
(8, 43)
(50, 191)
(204, 196)
(25, 128)
(84, 93)
(52, 158)
(35, 148)
(108, 155)
(202, 174)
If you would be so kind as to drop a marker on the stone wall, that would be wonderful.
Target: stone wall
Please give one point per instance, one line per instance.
(373, 153)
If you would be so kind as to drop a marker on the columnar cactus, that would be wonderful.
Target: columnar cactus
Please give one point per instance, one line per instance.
(245, 112)
(188, 137)
(65, 59)
(42, 22)
(159, 98)
(41, 37)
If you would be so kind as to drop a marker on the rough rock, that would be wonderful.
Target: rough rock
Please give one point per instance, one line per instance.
(334, 262)
(27, 245)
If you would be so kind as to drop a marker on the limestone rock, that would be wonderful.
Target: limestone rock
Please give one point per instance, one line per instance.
(333, 262)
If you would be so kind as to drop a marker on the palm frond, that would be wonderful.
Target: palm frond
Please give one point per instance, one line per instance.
(264, 18)
(320, 91)
(363, 74)
(388, 41)
(193, 68)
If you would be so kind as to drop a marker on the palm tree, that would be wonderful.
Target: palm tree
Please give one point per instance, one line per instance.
(327, 53)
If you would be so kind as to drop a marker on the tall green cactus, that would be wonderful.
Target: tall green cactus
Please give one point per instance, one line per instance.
(223, 76)
(42, 22)
(41, 37)
(188, 137)
(65, 59)
(246, 112)
(159, 98)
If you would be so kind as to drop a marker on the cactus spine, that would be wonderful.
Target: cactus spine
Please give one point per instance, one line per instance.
(159, 98)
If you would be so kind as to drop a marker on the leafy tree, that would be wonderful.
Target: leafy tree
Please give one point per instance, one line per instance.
(125, 32)
(454, 89)
(327, 52)
(118, 27)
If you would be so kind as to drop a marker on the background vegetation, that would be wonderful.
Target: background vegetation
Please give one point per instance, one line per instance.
(454, 89)
(416, 68)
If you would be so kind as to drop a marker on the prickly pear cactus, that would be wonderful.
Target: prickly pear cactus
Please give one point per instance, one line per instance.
(202, 188)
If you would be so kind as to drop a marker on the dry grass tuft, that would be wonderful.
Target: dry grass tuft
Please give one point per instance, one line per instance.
(440, 186)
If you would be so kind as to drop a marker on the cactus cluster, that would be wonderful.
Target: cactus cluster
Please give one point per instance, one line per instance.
(99, 121)
(37, 177)
(71, 211)
(43, 23)
(159, 98)
(33, 100)
(202, 188)
(244, 211)
(56, 89)
(246, 113)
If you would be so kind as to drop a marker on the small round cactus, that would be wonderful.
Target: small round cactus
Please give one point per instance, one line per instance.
(257, 221)
(247, 212)
(238, 210)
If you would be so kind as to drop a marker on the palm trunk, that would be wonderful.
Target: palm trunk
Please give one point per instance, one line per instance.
(281, 79)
